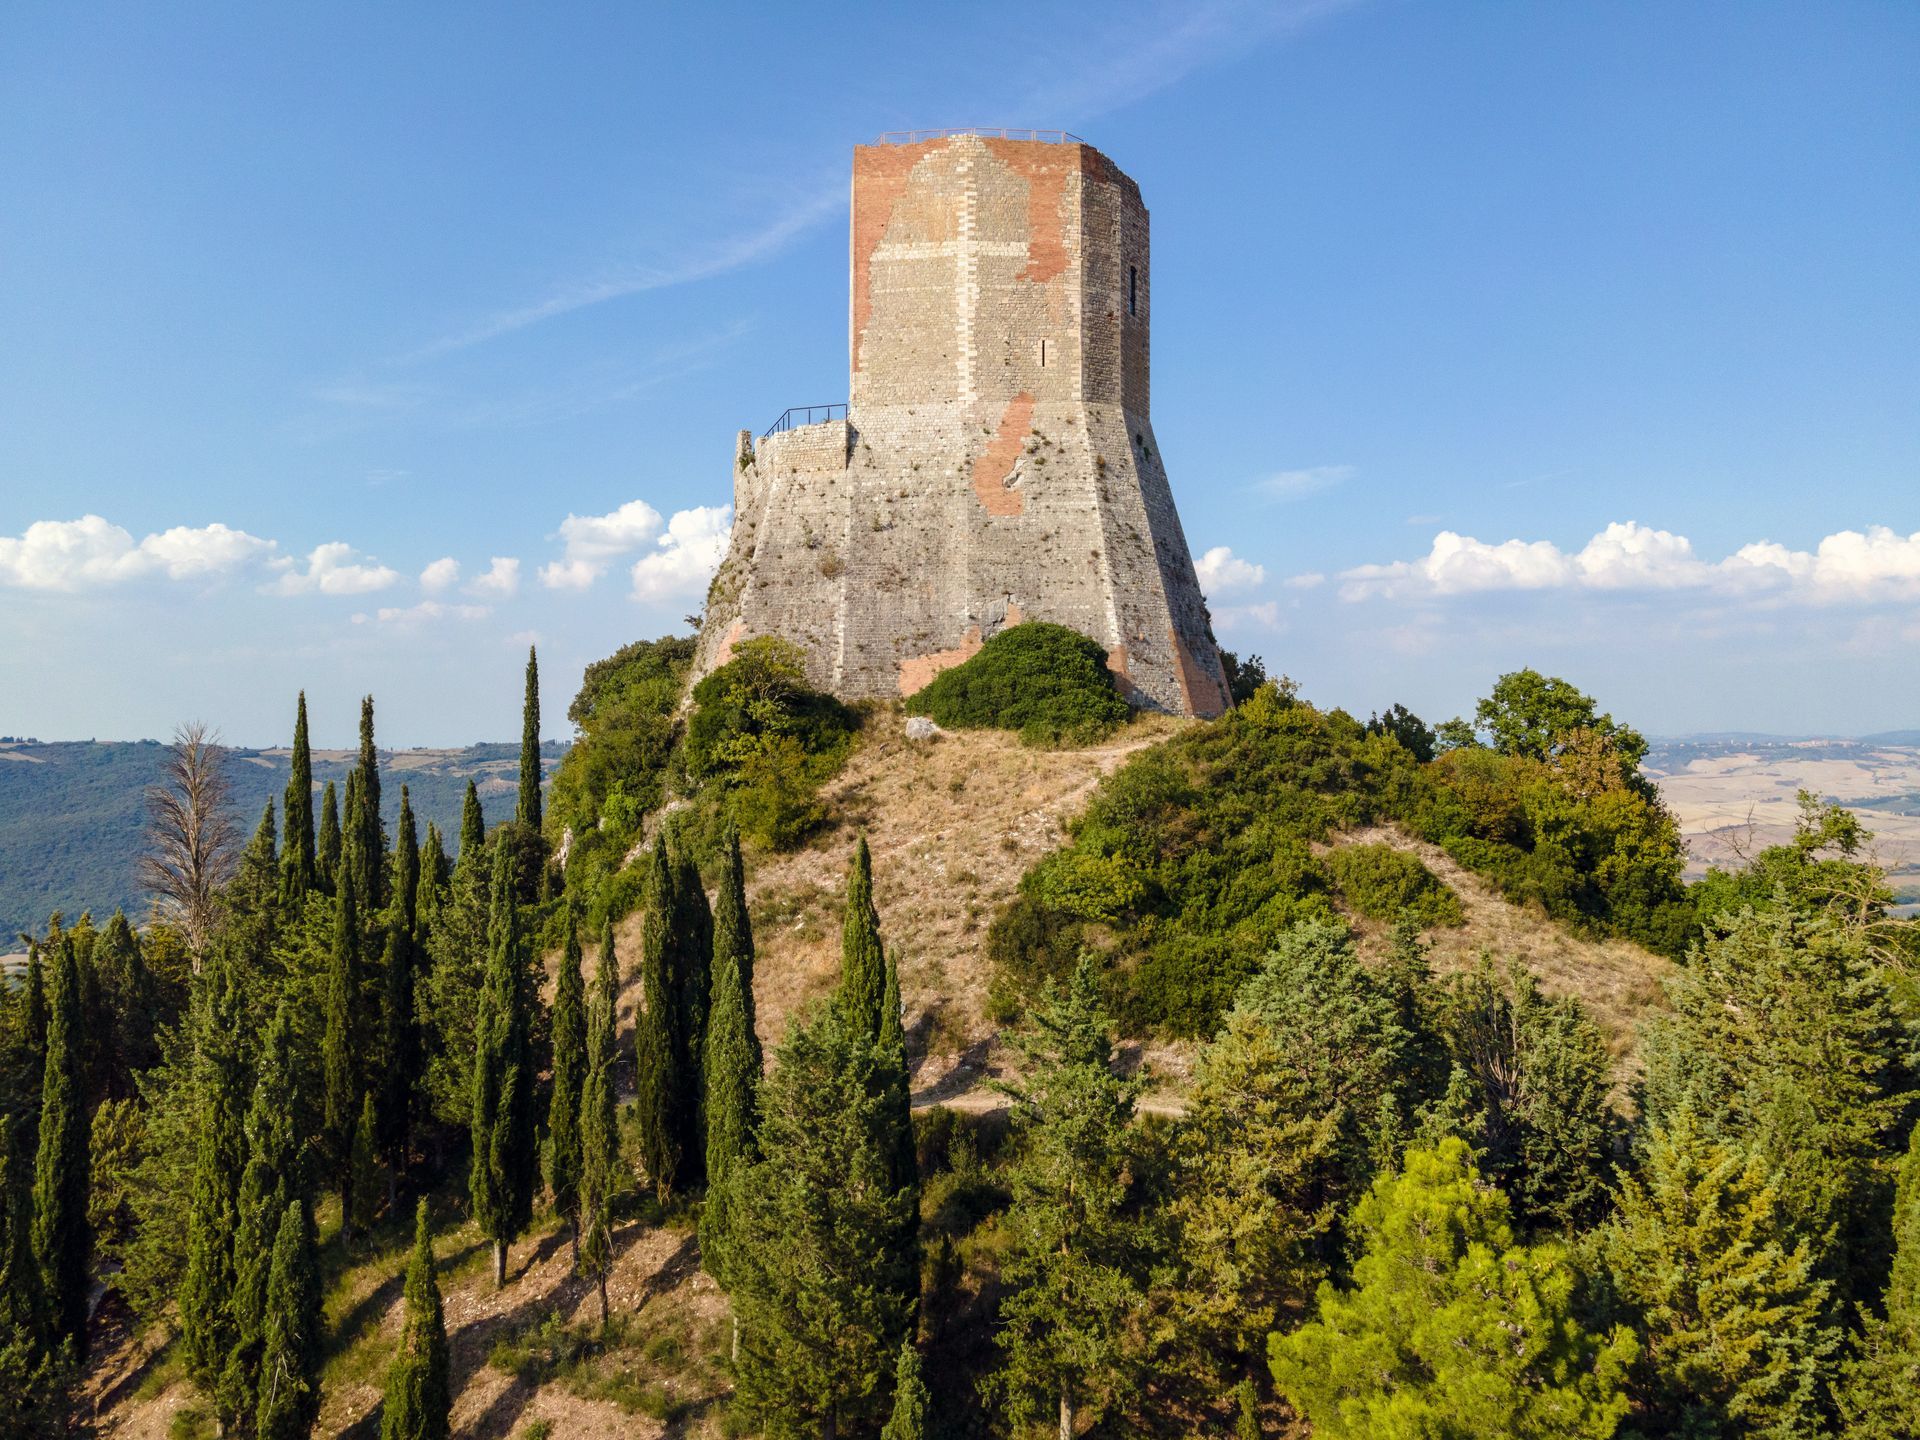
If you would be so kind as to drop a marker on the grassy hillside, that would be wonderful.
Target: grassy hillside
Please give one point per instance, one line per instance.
(71, 811)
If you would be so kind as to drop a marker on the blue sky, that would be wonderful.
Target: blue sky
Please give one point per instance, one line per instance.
(1581, 336)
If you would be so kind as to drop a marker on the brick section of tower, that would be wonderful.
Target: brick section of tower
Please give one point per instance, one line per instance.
(998, 461)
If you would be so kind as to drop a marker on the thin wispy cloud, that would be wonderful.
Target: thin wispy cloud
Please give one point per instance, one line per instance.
(1286, 485)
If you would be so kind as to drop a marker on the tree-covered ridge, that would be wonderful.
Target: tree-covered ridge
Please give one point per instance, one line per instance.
(72, 812)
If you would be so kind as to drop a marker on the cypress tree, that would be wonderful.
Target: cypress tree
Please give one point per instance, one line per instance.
(435, 872)
(363, 1169)
(33, 1024)
(527, 812)
(131, 1003)
(569, 1076)
(274, 1175)
(366, 837)
(206, 1324)
(890, 1068)
(501, 1177)
(291, 1346)
(419, 1384)
(473, 828)
(661, 1084)
(62, 1238)
(910, 1399)
(297, 857)
(1880, 1396)
(22, 1299)
(692, 976)
(863, 964)
(326, 854)
(732, 1054)
(599, 1126)
(400, 1033)
(338, 1045)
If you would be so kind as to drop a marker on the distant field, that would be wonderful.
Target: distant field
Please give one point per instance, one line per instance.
(1736, 794)
(71, 811)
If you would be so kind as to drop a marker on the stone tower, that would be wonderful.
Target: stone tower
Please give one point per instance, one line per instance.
(996, 460)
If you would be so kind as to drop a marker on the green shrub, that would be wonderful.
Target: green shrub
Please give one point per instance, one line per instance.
(1383, 883)
(1047, 682)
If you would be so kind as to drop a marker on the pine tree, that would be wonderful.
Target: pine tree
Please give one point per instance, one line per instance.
(1879, 1398)
(501, 1180)
(527, 810)
(1075, 1264)
(292, 1343)
(910, 1399)
(1249, 1216)
(1450, 1328)
(863, 965)
(206, 1322)
(1728, 1306)
(419, 1384)
(326, 853)
(661, 1084)
(473, 828)
(822, 1299)
(275, 1173)
(569, 1077)
(599, 1124)
(733, 1058)
(339, 1045)
(62, 1238)
(297, 865)
(692, 972)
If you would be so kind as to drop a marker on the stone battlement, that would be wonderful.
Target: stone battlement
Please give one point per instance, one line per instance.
(997, 460)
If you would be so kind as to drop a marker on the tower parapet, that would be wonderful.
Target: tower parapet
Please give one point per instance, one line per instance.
(996, 461)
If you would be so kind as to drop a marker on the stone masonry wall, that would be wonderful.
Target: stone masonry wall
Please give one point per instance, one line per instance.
(998, 461)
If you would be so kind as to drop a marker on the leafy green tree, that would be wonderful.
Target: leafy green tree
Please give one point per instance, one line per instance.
(293, 1339)
(1782, 1040)
(298, 873)
(419, 1396)
(599, 1125)
(1724, 1295)
(663, 1089)
(1530, 714)
(62, 1239)
(527, 810)
(910, 1399)
(1540, 1073)
(1451, 1328)
(863, 964)
(1247, 1211)
(1076, 1259)
(1879, 1398)
(1046, 681)
(569, 1079)
(340, 1042)
(220, 1154)
(501, 1176)
(822, 1299)
(1407, 728)
(326, 852)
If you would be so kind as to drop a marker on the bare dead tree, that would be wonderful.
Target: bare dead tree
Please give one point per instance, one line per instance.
(191, 840)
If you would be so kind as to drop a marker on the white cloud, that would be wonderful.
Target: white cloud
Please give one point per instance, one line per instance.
(334, 569)
(1221, 571)
(1262, 614)
(689, 553)
(76, 554)
(1311, 580)
(594, 541)
(1848, 566)
(1299, 484)
(502, 580)
(424, 612)
(442, 574)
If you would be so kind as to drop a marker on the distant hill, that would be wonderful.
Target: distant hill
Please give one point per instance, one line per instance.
(71, 812)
